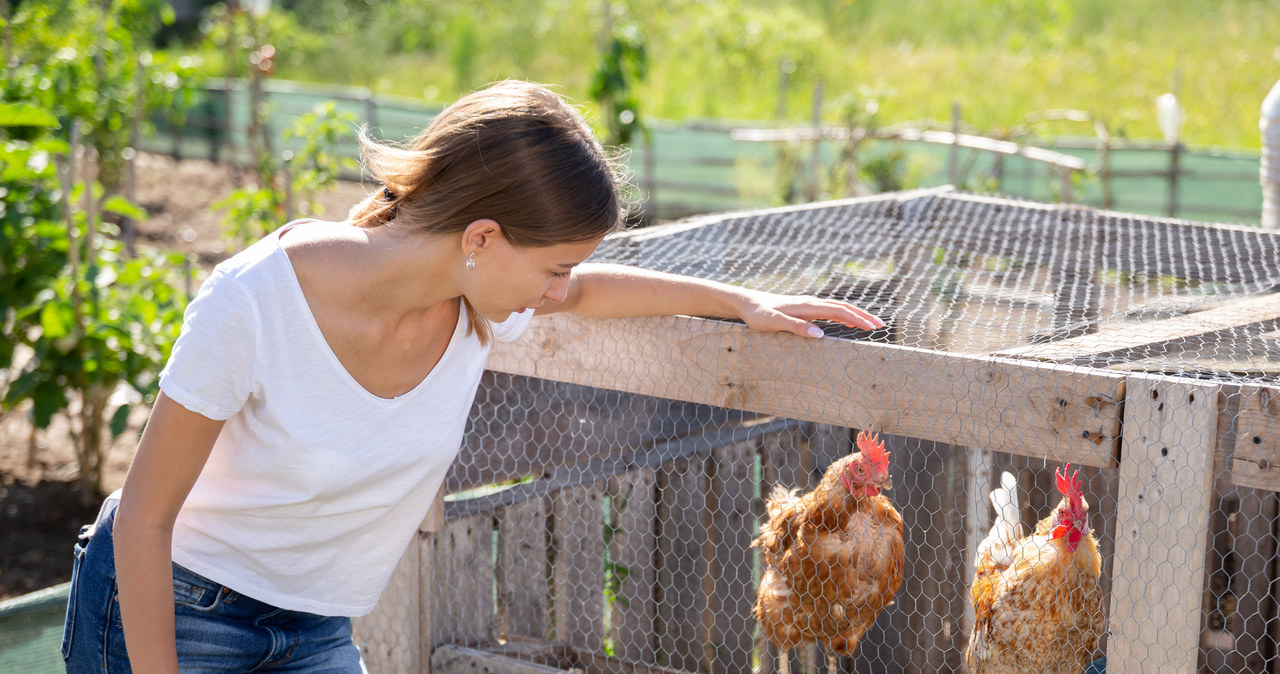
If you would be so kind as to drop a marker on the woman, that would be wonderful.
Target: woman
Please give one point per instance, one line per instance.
(322, 381)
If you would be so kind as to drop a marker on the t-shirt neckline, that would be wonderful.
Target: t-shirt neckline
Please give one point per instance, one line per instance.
(314, 328)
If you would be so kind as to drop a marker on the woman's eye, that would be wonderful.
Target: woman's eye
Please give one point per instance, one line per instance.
(560, 274)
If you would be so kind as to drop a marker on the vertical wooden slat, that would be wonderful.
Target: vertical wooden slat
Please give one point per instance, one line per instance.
(733, 522)
(682, 516)
(457, 583)
(632, 551)
(928, 479)
(578, 554)
(523, 569)
(1255, 550)
(1166, 480)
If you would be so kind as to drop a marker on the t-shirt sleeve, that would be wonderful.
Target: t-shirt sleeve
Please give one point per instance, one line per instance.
(511, 329)
(210, 371)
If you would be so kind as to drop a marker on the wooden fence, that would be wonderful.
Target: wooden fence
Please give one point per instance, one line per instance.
(702, 167)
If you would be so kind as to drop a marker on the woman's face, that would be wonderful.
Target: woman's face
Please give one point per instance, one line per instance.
(508, 279)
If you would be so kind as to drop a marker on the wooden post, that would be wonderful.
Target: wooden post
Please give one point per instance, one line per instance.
(732, 494)
(1175, 151)
(682, 603)
(578, 574)
(522, 573)
(953, 157)
(1166, 480)
(456, 576)
(632, 548)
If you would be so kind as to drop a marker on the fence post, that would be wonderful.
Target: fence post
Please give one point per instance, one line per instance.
(953, 158)
(1175, 152)
(1162, 524)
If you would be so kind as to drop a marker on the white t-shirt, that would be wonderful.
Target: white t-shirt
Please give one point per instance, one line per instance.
(315, 486)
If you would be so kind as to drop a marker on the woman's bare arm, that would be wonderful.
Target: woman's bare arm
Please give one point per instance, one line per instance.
(173, 450)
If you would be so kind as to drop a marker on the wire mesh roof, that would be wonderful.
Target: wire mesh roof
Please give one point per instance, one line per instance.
(990, 276)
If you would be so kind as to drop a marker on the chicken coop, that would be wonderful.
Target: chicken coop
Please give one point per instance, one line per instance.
(601, 514)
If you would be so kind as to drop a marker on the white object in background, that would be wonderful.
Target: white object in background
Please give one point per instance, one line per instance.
(1169, 117)
(1269, 172)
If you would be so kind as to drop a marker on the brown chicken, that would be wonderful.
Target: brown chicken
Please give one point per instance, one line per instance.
(833, 556)
(1036, 602)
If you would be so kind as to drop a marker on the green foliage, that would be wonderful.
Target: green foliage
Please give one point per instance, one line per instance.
(79, 60)
(1001, 60)
(614, 86)
(85, 326)
(89, 318)
(292, 182)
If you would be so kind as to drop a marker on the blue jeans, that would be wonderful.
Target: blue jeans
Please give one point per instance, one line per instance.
(217, 629)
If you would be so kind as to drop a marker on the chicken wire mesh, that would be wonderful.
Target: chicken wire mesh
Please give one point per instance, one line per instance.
(603, 510)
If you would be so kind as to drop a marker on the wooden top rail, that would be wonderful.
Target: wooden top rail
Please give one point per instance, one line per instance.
(964, 140)
(1057, 412)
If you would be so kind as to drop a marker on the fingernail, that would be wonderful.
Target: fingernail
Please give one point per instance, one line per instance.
(816, 331)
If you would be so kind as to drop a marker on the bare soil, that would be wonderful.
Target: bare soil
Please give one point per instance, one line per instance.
(40, 505)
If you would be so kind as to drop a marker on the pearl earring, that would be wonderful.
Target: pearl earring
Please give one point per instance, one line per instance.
(471, 261)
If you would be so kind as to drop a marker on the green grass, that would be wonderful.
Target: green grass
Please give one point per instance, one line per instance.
(999, 60)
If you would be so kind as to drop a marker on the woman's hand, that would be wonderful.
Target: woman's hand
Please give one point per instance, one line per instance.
(792, 313)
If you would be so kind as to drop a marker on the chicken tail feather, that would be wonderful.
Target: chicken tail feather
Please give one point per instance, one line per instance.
(1006, 530)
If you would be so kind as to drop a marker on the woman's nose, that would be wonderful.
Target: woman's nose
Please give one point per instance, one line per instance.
(558, 290)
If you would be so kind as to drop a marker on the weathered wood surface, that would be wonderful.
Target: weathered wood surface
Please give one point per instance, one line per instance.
(1257, 446)
(536, 658)
(523, 569)
(578, 553)
(524, 426)
(457, 583)
(1166, 481)
(684, 537)
(632, 547)
(733, 519)
(1050, 411)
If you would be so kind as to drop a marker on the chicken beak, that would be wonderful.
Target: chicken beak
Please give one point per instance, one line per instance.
(887, 482)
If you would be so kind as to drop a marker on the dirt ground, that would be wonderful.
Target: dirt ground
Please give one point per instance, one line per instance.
(40, 511)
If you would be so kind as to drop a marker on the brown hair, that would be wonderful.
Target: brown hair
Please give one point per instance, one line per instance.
(515, 153)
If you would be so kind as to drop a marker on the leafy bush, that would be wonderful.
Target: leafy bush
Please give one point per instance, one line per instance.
(85, 325)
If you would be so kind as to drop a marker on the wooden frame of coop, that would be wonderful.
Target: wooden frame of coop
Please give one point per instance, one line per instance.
(1163, 453)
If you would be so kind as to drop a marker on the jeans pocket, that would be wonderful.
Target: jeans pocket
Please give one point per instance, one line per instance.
(194, 591)
(68, 626)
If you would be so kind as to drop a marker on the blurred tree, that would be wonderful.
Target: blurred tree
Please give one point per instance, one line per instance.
(622, 69)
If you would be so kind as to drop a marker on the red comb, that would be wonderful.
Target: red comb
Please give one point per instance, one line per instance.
(1069, 486)
(872, 449)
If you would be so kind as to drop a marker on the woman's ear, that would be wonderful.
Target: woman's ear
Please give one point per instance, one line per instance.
(480, 234)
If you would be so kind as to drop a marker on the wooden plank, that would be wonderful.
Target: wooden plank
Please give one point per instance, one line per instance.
(1257, 448)
(457, 582)
(632, 547)
(733, 522)
(929, 480)
(390, 638)
(1166, 480)
(578, 553)
(1255, 550)
(618, 463)
(451, 659)
(1132, 340)
(682, 601)
(1035, 409)
(523, 568)
(521, 426)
